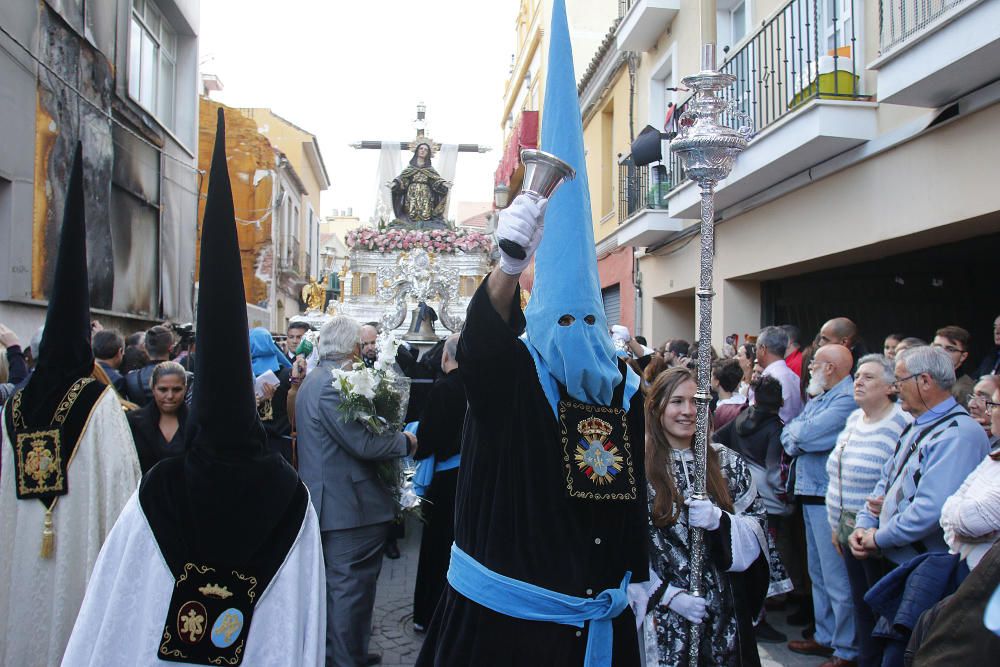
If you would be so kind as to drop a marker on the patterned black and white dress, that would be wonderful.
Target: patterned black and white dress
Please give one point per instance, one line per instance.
(734, 597)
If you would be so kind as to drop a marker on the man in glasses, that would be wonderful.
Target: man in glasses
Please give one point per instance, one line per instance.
(955, 341)
(933, 457)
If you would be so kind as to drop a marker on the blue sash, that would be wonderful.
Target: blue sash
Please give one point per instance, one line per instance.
(520, 599)
(426, 469)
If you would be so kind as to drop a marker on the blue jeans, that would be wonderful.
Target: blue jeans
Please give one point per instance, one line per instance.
(830, 588)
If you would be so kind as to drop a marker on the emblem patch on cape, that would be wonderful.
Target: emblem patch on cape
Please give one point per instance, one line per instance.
(265, 410)
(209, 616)
(39, 463)
(597, 454)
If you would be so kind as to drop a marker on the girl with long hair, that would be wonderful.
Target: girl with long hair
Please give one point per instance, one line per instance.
(738, 553)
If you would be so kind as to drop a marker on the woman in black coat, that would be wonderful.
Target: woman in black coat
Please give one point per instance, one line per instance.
(158, 428)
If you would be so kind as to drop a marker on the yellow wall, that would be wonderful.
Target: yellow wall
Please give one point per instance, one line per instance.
(289, 139)
(248, 153)
(605, 137)
(589, 22)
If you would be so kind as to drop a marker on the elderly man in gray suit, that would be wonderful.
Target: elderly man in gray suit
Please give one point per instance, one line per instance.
(337, 462)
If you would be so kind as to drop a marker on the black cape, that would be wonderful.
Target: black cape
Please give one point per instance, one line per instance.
(514, 515)
(440, 434)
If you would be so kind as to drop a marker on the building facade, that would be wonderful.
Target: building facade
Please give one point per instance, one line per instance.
(269, 196)
(121, 78)
(301, 150)
(868, 189)
(524, 94)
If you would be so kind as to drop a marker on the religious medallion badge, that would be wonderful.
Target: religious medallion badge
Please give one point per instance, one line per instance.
(208, 617)
(265, 410)
(597, 454)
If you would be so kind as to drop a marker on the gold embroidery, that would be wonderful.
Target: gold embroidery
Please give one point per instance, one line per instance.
(229, 626)
(215, 591)
(40, 459)
(191, 623)
(266, 410)
(626, 463)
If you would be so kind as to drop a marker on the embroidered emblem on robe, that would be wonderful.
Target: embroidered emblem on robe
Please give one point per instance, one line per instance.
(265, 410)
(40, 465)
(227, 627)
(191, 622)
(597, 454)
(213, 603)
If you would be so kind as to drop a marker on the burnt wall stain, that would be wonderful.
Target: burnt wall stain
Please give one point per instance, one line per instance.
(62, 120)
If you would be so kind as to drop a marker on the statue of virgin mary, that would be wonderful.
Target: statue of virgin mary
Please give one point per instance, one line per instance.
(419, 194)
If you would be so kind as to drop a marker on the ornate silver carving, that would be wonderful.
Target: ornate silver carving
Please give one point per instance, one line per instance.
(708, 151)
(416, 275)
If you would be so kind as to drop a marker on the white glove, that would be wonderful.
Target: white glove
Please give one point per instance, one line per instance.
(620, 332)
(703, 514)
(689, 606)
(521, 222)
(638, 598)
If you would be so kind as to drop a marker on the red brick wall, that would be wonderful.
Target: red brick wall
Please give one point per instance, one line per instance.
(616, 268)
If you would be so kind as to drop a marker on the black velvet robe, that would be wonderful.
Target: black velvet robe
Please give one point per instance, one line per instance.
(440, 435)
(513, 513)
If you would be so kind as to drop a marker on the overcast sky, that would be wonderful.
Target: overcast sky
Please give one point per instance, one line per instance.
(355, 69)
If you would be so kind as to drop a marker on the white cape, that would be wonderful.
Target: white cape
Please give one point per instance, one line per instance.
(121, 622)
(40, 597)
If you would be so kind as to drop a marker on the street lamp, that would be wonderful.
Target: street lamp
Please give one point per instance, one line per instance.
(707, 149)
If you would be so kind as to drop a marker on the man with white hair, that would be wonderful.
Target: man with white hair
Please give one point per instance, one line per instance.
(933, 457)
(337, 462)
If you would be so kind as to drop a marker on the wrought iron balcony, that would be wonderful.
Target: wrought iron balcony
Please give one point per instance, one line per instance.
(900, 20)
(807, 50)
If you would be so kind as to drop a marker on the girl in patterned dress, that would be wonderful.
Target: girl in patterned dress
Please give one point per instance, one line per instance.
(740, 563)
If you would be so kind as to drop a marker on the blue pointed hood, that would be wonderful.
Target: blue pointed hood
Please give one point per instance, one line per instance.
(580, 356)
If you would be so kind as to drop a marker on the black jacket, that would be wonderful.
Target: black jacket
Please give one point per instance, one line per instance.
(150, 444)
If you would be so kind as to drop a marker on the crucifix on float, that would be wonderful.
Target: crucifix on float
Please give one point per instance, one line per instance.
(419, 194)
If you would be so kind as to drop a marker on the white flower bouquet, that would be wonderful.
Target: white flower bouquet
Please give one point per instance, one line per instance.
(378, 396)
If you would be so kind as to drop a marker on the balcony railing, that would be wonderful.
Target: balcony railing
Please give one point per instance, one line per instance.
(808, 50)
(624, 6)
(641, 188)
(899, 20)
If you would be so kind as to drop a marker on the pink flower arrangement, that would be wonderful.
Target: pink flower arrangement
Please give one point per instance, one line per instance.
(436, 240)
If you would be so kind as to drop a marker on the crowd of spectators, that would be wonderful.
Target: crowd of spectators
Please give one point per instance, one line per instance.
(878, 472)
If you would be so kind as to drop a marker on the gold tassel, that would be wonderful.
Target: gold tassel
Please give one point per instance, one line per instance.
(48, 536)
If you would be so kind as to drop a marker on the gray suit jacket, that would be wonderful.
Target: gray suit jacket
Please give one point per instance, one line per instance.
(337, 459)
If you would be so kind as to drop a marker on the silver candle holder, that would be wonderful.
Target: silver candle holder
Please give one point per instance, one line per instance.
(707, 149)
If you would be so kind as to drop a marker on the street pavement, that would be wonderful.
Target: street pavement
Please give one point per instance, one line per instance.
(392, 622)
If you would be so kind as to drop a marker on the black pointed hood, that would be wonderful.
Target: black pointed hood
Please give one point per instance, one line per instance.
(227, 501)
(225, 422)
(64, 354)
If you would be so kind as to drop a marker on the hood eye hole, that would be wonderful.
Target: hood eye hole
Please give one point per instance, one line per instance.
(590, 319)
(566, 320)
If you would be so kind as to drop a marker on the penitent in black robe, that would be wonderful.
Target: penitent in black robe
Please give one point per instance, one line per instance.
(514, 515)
(440, 435)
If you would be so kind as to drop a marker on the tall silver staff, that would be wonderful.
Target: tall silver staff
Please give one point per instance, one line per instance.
(707, 150)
